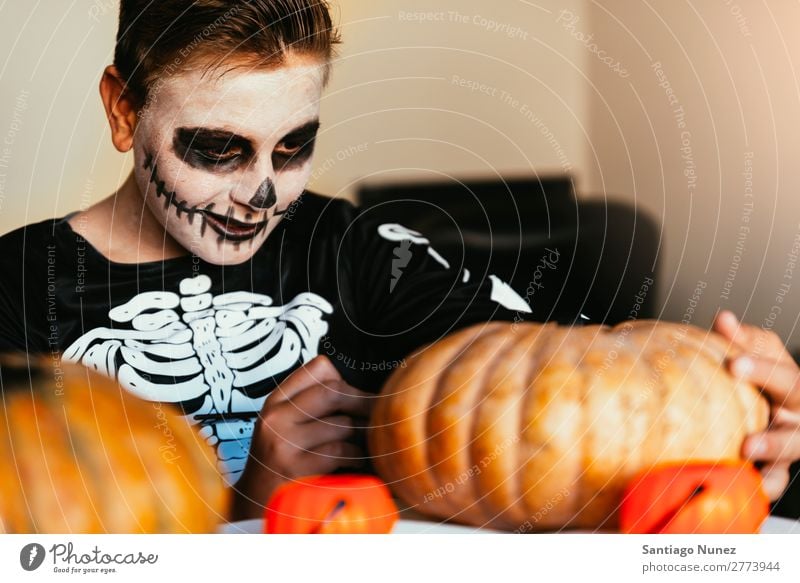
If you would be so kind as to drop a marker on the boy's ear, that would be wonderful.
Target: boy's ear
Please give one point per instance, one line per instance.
(121, 108)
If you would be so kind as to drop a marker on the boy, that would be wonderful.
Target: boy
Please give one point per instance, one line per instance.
(211, 277)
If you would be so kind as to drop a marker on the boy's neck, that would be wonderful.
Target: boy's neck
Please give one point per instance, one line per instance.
(122, 228)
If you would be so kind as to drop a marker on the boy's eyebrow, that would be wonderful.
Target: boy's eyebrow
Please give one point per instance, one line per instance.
(190, 136)
(309, 127)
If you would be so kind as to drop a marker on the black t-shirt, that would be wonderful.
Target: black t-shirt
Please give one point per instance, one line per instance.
(215, 340)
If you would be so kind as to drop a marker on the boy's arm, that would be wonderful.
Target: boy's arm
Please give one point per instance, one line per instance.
(409, 295)
(12, 313)
(11, 338)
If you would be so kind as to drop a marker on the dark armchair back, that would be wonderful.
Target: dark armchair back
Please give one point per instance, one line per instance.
(568, 256)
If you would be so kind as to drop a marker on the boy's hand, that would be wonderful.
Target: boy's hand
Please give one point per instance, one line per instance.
(306, 426)
(767, 364)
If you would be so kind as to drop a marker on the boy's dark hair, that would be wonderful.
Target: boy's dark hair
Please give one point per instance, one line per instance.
(161, 37)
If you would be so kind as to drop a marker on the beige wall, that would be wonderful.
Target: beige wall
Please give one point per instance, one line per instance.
(397, 109)
(392, 109)
(718, 165)
(452, 94)
(52, 128)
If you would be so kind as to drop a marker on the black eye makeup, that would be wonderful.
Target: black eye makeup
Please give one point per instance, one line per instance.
(214, 150)
(296, 147)
(223, 151)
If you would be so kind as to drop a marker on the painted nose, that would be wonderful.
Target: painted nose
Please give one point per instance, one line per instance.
(264, 197)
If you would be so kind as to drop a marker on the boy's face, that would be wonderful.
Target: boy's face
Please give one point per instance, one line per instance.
(219, 159)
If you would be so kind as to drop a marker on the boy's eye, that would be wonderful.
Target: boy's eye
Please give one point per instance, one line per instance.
(223, 155)
(211, 149)
(293, 151)
(292, 146)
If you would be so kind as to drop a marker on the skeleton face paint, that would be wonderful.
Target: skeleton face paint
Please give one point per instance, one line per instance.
(264, 198)
(219, 163)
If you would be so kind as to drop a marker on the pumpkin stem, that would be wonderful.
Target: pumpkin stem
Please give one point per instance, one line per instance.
(663, 523)
(337, 508)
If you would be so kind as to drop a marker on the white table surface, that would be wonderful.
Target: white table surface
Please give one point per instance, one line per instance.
(773, 525)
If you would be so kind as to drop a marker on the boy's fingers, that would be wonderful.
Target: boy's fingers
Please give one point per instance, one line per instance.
(777, 445)
(783, 417)
(328, 429)
(780, 380)
(355, 403)
(327, 399)
(751, 339)
(726, 324)
(342, 451)
(775, 478)
(330, 457)
(318, 370)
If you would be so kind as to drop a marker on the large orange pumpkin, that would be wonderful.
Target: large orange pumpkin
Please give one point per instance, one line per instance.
(539, 427)
(78, 454)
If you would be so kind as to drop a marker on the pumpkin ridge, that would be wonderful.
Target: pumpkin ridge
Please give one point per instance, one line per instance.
(16, 407)
(510, 514)
(579, 374)
(429, 469)
(377, 432)
(713, 400)
(727, 400)
(83, 463)
(12, 519)
(549, 332)
(637, 453)
(595, 506)
(739, 396)
(72, 419)
(584, 440)
(755, 409)
(701, 404)
(83, 423)
(57, 419)
(576, 340)
(664, 398)
(666, 393)
(203, 484)
(170, 477)
(629, 450)
(104, 405)
(60, 470)
(403, 430)
(143, 451)
(647, 360)
(449, 505)
(480, 505)
(537, 348)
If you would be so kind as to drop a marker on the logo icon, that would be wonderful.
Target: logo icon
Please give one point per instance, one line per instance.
(31, 556)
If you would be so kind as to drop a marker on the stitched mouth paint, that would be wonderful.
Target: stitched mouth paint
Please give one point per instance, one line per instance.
(226, 227)
(230, 228)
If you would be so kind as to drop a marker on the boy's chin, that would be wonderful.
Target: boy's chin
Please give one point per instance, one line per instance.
(227, 252)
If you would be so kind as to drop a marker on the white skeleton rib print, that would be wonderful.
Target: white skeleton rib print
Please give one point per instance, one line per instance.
(211, 355)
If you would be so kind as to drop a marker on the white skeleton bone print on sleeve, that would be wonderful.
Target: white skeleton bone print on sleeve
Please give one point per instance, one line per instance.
(502, 293)
(211, 355)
